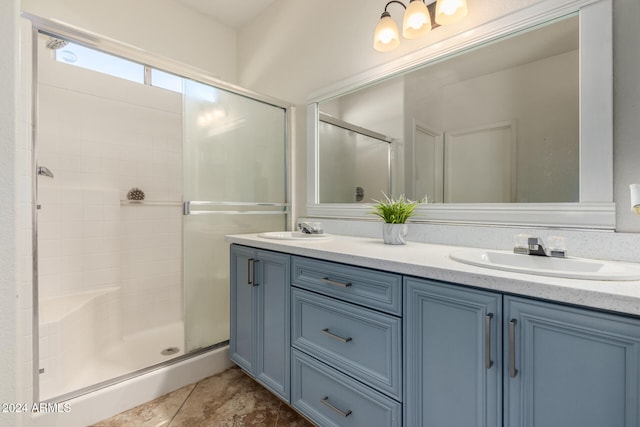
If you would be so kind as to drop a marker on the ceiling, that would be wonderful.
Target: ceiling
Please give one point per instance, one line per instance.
(233, 13)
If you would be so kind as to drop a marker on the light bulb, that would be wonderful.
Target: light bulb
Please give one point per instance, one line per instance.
(385, 36)
(416, 21)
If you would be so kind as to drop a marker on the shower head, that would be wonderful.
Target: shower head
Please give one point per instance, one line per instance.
(54, 43)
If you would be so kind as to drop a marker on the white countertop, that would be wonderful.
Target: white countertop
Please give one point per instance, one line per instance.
(432, 261)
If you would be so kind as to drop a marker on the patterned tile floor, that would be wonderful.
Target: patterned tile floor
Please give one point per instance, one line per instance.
(229, 399)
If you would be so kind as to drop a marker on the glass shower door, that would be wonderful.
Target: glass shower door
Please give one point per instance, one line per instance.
(234, 182)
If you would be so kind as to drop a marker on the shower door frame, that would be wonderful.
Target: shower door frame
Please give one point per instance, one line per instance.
(91, 40)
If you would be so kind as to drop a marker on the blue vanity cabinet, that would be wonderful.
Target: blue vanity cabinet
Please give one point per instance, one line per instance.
(566, 366)
(259, 340)
(349, 346)
(453, 355)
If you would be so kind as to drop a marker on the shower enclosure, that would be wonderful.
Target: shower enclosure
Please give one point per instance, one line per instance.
(122, 285)
(354, 163)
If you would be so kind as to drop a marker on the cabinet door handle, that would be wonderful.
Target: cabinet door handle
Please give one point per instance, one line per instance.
(334, 283)
(325, 402)
(251, 272)
(487, 341)
(327, 332)
(512, 348)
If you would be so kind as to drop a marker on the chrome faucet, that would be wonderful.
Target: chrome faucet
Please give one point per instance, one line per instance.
(308, 228)
(535, 246)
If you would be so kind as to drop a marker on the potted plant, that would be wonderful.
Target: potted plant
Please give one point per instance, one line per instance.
(395, 213)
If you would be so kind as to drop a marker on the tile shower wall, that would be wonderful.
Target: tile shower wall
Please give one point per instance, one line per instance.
(151, 265)
(101, 136)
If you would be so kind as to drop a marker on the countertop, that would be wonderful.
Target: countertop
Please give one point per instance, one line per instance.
(432, 261)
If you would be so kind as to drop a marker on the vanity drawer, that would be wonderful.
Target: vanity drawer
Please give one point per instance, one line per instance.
(363, 343)
(330, 398)
(370, 288)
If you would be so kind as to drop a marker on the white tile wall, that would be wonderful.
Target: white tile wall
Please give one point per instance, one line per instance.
(78, 239)
(151, 263)
(101, 136)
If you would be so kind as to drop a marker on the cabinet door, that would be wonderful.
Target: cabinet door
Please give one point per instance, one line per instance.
(272, 325)
(453, 338)
(569, 367)
(241, 341)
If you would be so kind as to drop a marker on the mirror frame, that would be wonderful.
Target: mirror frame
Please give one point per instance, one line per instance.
(595, 210)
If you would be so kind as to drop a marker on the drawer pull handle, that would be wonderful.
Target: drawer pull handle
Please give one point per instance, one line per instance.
(325, 402)
(328, 333)
(512, 348)
(334, 283)
(487, 341)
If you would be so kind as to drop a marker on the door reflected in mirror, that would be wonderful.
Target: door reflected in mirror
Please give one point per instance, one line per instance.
(495, 124)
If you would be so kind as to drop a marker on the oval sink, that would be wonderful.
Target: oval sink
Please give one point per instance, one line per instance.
(572, 268)
(293, 235)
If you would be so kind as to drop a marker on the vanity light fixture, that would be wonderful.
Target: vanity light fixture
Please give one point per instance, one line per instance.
(417, 21)
(635, 198)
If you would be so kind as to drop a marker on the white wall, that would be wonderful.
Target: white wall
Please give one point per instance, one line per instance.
(9, 306)
(626, 109)
(15, 213)
(163, 27)
(298, 47)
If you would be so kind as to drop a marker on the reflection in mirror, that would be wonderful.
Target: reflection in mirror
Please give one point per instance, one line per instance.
(495, 124)
(354, 162)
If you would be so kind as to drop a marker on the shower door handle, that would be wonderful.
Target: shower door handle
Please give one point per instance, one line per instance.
(44, 171)
(221, 207)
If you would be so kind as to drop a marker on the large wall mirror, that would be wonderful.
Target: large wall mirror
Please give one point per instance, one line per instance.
(510, 126)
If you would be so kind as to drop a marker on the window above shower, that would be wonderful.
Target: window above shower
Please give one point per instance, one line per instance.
(91, 59)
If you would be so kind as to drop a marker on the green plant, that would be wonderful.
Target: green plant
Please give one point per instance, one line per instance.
(395, 211)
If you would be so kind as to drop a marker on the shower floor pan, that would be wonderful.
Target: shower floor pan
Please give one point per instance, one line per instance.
(81, 343)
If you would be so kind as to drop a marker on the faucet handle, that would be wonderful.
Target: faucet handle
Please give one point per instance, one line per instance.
(310, 228)
(521, 244)
(557, 246)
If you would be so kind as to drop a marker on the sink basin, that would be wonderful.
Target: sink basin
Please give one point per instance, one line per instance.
(572, 268)
(293, 235)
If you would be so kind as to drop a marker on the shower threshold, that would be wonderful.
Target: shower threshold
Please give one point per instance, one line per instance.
(133, 356)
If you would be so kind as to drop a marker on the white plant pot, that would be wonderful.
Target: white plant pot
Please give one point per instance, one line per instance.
(394, 234)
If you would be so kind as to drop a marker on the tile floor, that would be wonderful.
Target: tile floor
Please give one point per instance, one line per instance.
(229, 399)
